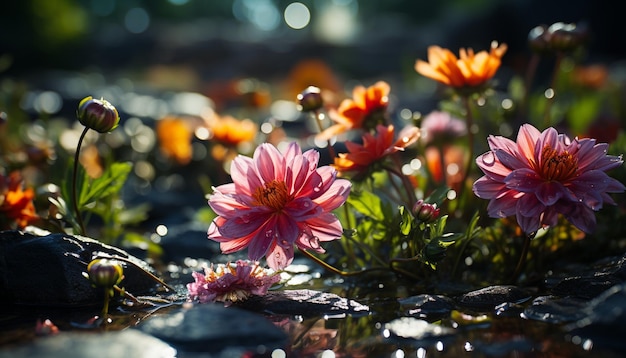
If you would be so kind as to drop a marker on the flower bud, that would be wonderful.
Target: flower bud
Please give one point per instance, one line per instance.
(310, 99)
(104, 272)
(538, 39)
(98, 114)
(566, 37)
(425, 212)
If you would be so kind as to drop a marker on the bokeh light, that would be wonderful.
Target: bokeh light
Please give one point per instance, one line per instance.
(297, 15)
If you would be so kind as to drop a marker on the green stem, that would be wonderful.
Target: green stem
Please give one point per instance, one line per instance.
(522, 258)
(468, 239)
(408, 187)
(79, 217)
(335, 270)
(470, 147)
(105, 306)
(317, 117)
(403, 271)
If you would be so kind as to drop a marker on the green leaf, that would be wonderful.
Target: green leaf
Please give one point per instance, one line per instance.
(110, 182)
(406, 220)
(438, 196)
(367, 204)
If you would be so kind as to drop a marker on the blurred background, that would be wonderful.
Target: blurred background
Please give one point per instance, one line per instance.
(202, 42)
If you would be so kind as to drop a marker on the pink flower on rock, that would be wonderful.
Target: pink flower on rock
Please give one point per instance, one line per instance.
(277, 201)
(228, 283)
(545, 174)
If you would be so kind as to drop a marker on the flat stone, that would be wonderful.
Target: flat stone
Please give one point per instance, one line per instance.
(489, 297)
(127, 343)
(305, 303)
(554, 309)
(213, 328)
(427, 306)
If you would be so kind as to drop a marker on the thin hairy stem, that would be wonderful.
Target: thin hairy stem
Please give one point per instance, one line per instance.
(79, 217)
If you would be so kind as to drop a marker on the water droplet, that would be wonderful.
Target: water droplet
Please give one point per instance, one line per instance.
(500, 213)
(314, 242)
(488, 158)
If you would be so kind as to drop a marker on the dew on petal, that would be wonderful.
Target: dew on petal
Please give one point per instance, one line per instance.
(314, 242)
(488, 158)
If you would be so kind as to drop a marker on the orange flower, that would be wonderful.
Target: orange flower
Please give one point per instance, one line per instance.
(175, 139)
(592, 76)
(360, 157)
(16, 204)
(359, 112)
(230, 131)
(470, 70)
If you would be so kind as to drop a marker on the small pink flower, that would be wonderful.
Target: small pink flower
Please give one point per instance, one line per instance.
(441, 127)
(277, 201)
(228, 283)
(544, 174)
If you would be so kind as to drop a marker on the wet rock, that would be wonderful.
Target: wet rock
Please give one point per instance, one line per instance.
(128, 343)
(604, 321)
(489, 297)
(213, 328)
(555, 310)
(305, 303)
(592, 280)
(47, 269)
(427, 306)
(585, 287)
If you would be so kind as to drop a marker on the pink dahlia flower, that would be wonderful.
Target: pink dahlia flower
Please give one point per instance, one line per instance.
(544, 174)
(228, 283)
(277, 201)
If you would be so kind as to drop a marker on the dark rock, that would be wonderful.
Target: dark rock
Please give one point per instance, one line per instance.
(47, 270)
(127, 343)
(427, 306)
(489, 297)
(305, 303)
(604, 321)
(555, 310)
(585, 287)
(212, 328)
(589, 281)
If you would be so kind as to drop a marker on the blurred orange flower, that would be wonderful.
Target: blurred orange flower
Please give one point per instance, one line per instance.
(311, 72)
(360, 157)
(469, 70)
(229, 135)
(174, 137)
(230, 131)
(359, 112)
(16, 204)
(592, 76)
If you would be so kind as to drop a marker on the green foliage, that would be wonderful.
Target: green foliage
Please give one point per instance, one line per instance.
(389, 235)
(100, 197)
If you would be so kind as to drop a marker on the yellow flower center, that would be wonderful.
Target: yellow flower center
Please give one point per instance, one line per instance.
(557, 166)
(273, 194)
